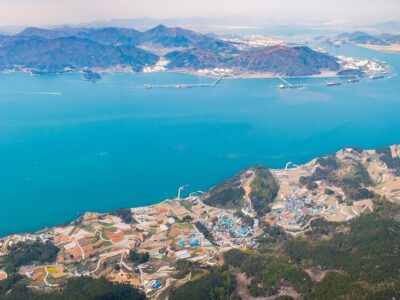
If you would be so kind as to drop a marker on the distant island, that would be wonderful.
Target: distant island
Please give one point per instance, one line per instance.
(381, 42)
(161, 48)
(328, 229)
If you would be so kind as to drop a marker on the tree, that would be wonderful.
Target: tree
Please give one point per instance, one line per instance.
(125, 214)
(24, 253)
(81, 288)
(138, 258)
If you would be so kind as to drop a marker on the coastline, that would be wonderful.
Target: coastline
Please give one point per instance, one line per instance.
(244, 75)
(254, 75)
(196, 230)
(158, 203)
(183, 78)
(393, 48)
(276, 171)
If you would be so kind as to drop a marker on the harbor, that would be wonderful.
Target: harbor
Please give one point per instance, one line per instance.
(334, 83)
(356, 79)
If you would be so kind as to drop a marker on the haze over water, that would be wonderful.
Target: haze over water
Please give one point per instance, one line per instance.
(68, 146)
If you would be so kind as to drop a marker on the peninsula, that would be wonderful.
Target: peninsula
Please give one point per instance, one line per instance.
(324, 230)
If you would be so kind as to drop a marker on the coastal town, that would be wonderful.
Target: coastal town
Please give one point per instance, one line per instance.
(101, 245)
(94, 245)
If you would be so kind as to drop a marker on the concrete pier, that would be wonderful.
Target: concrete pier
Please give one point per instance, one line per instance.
(182, 86)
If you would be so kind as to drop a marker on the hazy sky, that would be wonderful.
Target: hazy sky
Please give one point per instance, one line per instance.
(42, 12)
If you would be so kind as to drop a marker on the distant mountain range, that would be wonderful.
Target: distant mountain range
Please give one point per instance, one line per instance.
(74, 49)
(363, 38)
(390, 26)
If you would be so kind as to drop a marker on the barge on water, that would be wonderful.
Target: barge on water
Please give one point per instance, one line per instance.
(292, 86)
(353, 80)
(334, 83)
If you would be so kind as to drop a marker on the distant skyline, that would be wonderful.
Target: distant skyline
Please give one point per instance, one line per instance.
(53, 12)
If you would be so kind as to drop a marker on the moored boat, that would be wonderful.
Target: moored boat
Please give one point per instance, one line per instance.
(333, 83)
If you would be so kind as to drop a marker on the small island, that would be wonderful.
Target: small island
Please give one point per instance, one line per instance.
(90, 75)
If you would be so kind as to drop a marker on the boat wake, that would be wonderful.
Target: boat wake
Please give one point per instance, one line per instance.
(34, 93)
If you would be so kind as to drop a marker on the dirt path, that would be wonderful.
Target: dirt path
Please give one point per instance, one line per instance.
(80, 248)
(318, 275)
(45, 279)
(247, 189)
(97, 267)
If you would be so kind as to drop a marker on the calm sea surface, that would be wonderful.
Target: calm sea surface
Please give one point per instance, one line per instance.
(69, 146)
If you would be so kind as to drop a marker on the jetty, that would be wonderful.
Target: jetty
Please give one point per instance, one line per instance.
(183, 86)
(287, 85)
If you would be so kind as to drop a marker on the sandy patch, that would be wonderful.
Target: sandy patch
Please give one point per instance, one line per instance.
(122, 277)
(394, 186)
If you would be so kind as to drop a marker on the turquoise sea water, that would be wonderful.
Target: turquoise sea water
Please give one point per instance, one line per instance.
(69, 146)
